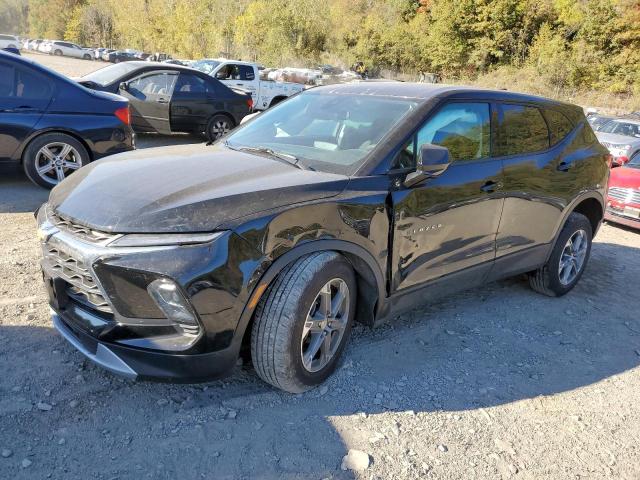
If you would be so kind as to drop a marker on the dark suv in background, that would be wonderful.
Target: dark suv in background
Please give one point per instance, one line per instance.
(52, 125)
(344, 203)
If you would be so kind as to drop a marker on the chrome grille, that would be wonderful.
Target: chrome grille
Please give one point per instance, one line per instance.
(82, 286)
(625, 195)
(80, 231)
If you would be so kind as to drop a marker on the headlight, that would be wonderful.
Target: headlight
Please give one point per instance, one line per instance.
(156, 240)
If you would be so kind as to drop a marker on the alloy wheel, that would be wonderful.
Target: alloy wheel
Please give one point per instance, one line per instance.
(219, 128)
(55, 161)
(325, 325)
(573, 257)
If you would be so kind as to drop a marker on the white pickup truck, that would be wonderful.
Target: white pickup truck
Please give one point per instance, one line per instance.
(245, 75)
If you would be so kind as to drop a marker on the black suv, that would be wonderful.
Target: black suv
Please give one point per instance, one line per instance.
(344, 203)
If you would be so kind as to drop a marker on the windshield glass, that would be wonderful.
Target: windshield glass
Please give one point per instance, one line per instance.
(331, 133)
(109, 74)
(622, 128)
(205, 66)
(634, 162)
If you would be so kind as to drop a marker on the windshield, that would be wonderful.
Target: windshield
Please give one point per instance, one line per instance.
(206, 66)
(331, 133)
(107, 75)
(634, 162)
(626, 129)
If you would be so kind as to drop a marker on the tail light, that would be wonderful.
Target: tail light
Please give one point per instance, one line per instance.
(250, 103)
(124, 115)
(622, 160)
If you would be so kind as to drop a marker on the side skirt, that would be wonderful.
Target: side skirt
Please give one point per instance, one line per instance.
(504, 267)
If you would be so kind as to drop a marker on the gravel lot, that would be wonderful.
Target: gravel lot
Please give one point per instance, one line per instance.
(497, 382)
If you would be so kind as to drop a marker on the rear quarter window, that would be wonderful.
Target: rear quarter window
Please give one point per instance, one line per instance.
(521, 129)
(559, 125)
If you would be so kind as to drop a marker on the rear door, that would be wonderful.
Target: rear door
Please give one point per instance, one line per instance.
(537, 178)
(449, 223)
(24, 97)
(192, 103)
(149, 95)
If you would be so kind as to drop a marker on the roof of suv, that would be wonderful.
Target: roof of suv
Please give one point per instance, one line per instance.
(427, 91)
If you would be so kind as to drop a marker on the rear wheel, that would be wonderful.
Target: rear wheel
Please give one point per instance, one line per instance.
(87, 56)
(303, 322)
(276, 101)
(568, 259)
(58, 53)
(52, 157)
(218, 126)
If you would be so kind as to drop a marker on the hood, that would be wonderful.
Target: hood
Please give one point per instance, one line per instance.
(186, 188)
(625, 177)
(616, 139)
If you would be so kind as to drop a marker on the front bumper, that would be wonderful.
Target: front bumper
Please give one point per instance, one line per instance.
(100, 302)
(137, 364)
(617, 216)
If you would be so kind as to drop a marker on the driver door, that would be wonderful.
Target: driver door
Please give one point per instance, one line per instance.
(149, 96)
(448, 224)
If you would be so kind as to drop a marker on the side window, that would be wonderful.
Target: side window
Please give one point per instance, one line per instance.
(7, 80)
(154, 84)
(229, 72)
(246, 72)
(32, 86)
(463, 128)
(190, 85)
(22, 83)
(559, 125)
(522, 130)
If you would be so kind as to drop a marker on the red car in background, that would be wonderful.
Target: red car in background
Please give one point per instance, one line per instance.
(623, 197)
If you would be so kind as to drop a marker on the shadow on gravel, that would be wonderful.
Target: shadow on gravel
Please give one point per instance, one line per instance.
(479, 349)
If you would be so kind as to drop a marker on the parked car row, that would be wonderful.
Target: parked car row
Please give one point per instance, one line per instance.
(53, 125)
(621, 136)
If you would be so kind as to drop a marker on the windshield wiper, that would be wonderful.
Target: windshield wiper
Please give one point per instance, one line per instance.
(286, 157)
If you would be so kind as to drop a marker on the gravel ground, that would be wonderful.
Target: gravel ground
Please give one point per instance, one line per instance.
(496, 382)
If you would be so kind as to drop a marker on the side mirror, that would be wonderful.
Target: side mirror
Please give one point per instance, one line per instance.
(124, 86)
(432, 161)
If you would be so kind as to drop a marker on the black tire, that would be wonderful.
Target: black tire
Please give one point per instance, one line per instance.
(215, 123)
(30, 156)
(58, 53)
(87, 56)
(276, 337)
(546, 280)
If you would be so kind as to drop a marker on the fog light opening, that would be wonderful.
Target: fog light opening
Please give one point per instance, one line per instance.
(168, 297)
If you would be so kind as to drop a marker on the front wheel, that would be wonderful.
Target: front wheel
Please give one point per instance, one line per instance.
(218, 126)
(568, 259)
(58, 53)
(303, 322)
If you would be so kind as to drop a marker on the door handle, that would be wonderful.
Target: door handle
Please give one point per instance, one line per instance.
(490, 186)
(564, 167)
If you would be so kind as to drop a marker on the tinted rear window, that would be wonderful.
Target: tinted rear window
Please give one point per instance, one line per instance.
(559, 125)
(522, 129)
